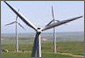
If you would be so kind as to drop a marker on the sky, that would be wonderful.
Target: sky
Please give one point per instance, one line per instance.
(39, 13)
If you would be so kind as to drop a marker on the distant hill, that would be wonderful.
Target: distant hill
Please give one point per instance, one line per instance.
(69, 36)
(65, 36)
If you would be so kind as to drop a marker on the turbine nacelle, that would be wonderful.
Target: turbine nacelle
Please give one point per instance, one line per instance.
(39, 30)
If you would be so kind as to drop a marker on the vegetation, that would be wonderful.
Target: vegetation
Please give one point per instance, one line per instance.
(73, 47)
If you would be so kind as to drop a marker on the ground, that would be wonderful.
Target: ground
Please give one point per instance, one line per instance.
(64, 49)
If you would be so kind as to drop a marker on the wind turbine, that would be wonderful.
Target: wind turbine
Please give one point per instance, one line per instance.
(54, 30)
(37, 40)
(16, 22)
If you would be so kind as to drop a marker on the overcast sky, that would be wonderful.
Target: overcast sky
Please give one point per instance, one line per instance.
(39, 13)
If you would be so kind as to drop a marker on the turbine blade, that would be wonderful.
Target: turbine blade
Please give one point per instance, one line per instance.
(24, 19)
(18, 10)
(21, 25)
(57, 20)
(11, 23)
(60, 23)
(52, 21)
(17, 15)
(52, 13)
(16, 18)
(49, 22)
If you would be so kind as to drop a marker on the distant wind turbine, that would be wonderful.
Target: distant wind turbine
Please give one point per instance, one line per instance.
(54, 30)
(16, 22)
(37, 41)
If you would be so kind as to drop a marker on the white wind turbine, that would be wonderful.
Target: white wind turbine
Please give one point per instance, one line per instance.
(54, 30)
(16, 36)
(37, 41)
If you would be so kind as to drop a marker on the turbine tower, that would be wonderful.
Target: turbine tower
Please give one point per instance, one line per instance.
(16, 36)
(54, 33)
(37, 40)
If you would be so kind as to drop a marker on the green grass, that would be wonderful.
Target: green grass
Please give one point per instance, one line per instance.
(72, 47)
(76, 48)
(15, 55)
(29, 54)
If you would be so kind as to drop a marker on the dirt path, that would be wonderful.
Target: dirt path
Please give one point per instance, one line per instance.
(69, 54)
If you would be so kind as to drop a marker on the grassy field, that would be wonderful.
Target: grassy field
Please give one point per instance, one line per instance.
(64, 49)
